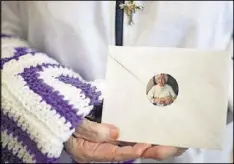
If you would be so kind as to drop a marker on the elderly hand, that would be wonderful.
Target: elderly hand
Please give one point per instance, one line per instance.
(162, 152)
(158, 101)
(94, 142)
(159, 152)
(168, 100)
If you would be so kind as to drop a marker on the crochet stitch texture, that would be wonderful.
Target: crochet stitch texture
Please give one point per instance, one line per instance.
(42, 103)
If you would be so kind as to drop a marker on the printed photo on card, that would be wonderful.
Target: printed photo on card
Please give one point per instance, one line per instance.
(167, 96)
(162, 89)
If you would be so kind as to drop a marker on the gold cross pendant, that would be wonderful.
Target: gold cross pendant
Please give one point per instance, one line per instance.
(130, 7)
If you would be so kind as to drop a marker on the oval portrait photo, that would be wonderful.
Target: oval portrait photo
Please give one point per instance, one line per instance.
(162, 90)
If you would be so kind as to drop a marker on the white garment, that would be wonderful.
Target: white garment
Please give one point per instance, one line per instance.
(230, 49)
(76, 33)
(161, 92)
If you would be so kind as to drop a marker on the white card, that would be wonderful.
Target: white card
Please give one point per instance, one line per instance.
(186, 104)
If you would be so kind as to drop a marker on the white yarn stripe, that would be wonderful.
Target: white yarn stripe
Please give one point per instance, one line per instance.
(31, 101)
(7, 52)
(43, 111)
(45, 139)
(12, 42)
(14, 67)
(12, 144)
(8, 45)
(70, 93)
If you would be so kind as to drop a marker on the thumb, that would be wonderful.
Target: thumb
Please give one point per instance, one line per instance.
(96, 132)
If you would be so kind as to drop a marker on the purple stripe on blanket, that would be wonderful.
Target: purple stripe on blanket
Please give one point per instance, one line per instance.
(129, 161)
(49, 94)
(88, 90)
(19, 51)
(8, 156)
(11, 127)
(6, 36)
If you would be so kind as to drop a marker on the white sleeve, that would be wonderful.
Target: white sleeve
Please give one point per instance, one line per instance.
(11, 26)
(150, 94)
(11, 20)
(42, 101)
(172, 93)
(230, 95)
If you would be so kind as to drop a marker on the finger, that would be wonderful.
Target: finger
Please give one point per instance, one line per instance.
(106, 152)
(97, 132)
(82, 151)
(141, 148)
(129, 153)
(115, 154)
(160, 152)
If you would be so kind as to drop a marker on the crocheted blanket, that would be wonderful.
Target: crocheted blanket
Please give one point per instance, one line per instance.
(42, 103)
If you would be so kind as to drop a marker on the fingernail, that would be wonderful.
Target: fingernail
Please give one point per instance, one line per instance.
(114, 133)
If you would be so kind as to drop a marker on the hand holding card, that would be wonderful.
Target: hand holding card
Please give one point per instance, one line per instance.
(167, 96)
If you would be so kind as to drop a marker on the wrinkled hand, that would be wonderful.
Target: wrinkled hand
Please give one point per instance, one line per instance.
(94, 142)
(162, 152)
(159, 152)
